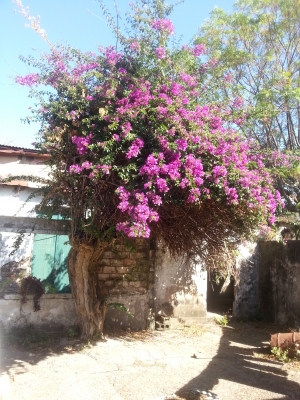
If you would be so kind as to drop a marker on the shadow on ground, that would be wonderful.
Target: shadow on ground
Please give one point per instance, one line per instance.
(240, 360)
(141, 365)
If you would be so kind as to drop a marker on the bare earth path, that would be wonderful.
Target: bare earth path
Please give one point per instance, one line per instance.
(152, 366)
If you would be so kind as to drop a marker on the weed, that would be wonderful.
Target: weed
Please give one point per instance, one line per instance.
(27, 336)
(4, 285)
(49, 289)
(121, 307)
(285, 356)
(72, 332)
(222, 321)
(280, 355)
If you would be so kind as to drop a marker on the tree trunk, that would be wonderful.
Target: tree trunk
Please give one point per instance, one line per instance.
(90, 303)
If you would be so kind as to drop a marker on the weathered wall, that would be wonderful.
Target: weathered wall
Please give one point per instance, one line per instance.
(13, 201)
(16, 164)
(179, 288)
(136, 304)
(246, 299)
(56, 310)
(13, 268)
(126, 268)
(126, 275)
(279, 289)
(125, 272)
(34, 225)
(22, 255)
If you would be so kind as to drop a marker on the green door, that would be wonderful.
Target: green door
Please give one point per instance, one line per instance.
(49, 262)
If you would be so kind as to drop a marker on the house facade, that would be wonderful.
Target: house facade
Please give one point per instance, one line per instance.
(147, 281)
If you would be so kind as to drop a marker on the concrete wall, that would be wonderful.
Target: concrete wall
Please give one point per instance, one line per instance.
(136, 304)
(179, 288)
(14, 201)
(279, 288)
(34, 225)
(246, 301)
(56, 311)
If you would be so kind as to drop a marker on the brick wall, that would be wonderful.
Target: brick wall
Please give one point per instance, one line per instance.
(127, 268)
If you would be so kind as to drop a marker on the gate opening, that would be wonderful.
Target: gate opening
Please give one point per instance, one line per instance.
(219, 299)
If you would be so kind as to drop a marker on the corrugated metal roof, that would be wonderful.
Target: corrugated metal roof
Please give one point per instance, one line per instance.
(21, 151)
(6, 147)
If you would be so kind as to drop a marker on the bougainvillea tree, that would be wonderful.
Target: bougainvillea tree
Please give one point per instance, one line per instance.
(140, 146)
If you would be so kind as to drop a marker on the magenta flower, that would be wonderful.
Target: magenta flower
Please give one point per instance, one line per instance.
(135, 47)
(82, 143)
(163, 25)
(162, 185)
(134, 149)
(28, 80)
(160, 52)
(198, 50)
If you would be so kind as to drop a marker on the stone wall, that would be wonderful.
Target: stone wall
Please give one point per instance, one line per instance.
(127, 268)
(126, 275)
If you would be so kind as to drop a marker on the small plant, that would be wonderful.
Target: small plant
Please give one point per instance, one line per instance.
(72, 332)
(49, 289)
(33, 286)
(121, 307)
(27, 336)
(280, 354)
(222, 321)
(3, 285)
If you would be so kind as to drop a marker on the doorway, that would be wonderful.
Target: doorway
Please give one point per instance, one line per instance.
(220, 297)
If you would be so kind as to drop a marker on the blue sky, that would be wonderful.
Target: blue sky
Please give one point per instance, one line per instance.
(77, 22)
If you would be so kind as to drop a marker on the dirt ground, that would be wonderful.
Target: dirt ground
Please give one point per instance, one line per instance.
(230, 362)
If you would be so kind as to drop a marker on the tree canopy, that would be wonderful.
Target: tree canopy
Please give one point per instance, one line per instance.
(140, 144)
(257, 48)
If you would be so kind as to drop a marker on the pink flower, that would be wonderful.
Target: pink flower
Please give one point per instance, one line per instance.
(135, 47)
(134, 149)
(160, 52)
(28, 80)
(82, 143)
(162, 185)
(163, 25)
(198, 50)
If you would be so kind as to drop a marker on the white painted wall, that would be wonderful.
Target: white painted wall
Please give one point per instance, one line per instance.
(13, 198)
(56, 309)
(21, 165)
(23, 253)
(13, 201)
(181, 286)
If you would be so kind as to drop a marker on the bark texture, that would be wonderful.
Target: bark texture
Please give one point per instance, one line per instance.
(90, 303)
